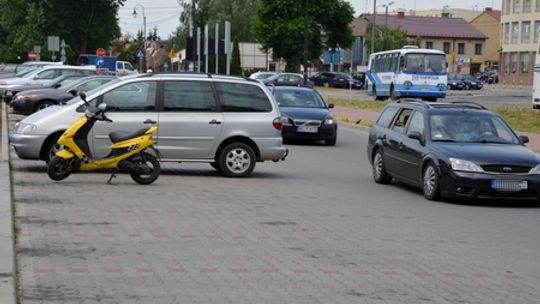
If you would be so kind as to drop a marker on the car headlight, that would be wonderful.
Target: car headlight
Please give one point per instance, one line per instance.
(24, 128)
(535, 170)
(464, 165)
(8, 93)
(285, 120)
(329, 121)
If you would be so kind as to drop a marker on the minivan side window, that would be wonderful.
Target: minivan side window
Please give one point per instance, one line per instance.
(188, 96)
(132, 97)
(240, 97)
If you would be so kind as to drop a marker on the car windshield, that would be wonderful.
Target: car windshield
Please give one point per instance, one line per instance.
(424, 63)
(25, 71)
(299, 98)
(264, 75)
(470, 127)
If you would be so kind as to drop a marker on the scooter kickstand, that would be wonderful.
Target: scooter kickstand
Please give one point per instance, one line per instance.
(113, 175)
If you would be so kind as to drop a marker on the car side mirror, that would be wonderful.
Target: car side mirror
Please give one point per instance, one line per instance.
(524, 139)
(57, 85)
(330, 105)
(73, 92)
(417, 135)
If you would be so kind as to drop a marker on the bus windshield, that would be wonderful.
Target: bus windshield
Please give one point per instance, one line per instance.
(424, 63)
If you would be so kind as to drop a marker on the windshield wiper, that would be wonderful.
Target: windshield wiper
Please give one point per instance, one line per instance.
(443, 140)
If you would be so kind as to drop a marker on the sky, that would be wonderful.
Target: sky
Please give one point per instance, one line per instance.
(164, 14)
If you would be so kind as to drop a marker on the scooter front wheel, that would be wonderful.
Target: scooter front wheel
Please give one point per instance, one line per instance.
(59, 168)
(147, 169)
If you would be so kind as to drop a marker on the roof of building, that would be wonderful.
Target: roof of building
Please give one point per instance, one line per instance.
(490, 12)
(436, 27)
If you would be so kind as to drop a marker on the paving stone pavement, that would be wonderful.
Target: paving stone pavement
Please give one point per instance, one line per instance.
(195, 237)
(87, 242)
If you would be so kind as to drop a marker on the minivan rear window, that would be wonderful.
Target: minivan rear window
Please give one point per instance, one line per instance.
(239, 97)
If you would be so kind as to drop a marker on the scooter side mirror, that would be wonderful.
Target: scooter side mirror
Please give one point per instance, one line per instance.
(83, 97)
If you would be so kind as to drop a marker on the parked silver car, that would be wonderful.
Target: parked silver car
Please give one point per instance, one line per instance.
(229, 122)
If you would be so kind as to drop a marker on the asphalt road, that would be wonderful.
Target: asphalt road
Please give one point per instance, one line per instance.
(312, 229)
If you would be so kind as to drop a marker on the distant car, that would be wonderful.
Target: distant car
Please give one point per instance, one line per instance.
(336, 79)
(452, 150)
(306, 115)
(12, 90)
(285, 79)
(489, 77)
(262, 75)
(471, 82)
(455, 82)
(30, 101)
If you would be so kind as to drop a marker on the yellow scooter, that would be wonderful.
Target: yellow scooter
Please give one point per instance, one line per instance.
(128, 150)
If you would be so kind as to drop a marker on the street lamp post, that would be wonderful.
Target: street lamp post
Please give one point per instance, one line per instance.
(140, 6)
(386, 12)
(373, 26)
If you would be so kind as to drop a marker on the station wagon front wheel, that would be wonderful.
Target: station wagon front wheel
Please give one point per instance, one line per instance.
(237, 160)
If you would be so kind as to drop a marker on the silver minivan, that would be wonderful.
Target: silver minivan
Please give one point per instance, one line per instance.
(229, 122)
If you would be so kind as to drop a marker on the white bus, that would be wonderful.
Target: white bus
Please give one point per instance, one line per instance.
(407, 72)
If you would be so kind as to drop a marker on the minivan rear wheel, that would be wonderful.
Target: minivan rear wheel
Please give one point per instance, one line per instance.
(237, 160)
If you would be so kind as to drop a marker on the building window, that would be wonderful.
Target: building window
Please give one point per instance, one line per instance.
(506, 6)
(478, 49)
(526, 6)
(525, 32)
(524, 62)
(429, 44)
(537, 6)
(516, 7)
(461, 48)
(513, 63)
(446, 46)
(505, 63)
(515, 32)
(506, 35)
(536, 29)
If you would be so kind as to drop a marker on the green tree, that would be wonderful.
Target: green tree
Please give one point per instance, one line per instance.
(84, 25)
(279, 25)
(385, 38)
(236, 67)
(239, 12)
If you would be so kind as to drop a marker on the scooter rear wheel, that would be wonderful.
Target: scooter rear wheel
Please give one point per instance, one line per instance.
(59, 168)
(151, 162)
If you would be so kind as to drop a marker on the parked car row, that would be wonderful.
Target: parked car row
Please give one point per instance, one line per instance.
(458, 81)
(336, 80)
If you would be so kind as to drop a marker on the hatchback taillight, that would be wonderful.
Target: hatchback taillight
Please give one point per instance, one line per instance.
(278, 124)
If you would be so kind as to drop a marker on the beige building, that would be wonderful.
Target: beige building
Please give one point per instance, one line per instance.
(488, 23)
(520, 24)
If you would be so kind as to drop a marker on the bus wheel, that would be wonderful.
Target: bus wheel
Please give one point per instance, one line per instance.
(377, 98)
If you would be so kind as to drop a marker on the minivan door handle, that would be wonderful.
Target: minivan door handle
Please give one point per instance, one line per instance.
(214, 122)
(149, 121)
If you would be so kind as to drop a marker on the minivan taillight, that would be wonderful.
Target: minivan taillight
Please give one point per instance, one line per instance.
(278, 124)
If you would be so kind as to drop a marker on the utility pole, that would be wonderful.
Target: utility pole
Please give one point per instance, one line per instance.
(306, 42)
(373, 27)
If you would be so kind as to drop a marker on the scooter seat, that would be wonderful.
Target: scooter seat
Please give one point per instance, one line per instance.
(117, 136)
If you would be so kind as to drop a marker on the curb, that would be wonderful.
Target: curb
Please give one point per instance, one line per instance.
(7, 242)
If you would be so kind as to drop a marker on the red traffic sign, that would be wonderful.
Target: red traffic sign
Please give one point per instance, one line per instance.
(101, 52)
(32, 55)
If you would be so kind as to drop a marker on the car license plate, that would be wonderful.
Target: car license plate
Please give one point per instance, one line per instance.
(308, 129)
(509, 185)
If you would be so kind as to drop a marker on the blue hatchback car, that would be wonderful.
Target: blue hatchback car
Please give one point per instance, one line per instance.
(306, 115)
